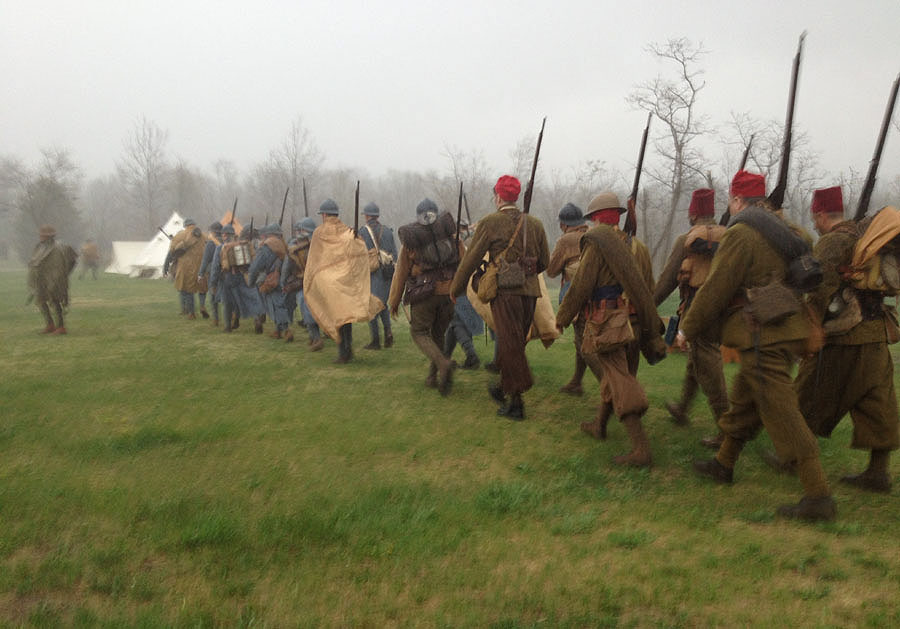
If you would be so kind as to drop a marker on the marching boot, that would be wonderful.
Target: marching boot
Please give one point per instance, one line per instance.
(48, 329)
(288, 336)
(59, 330)
(678, 410)
(317, 345)
(191, 316)
(514, 409)
(388, 340)
(497, 394)
(204, 313)
(573, 386)
(472, 361)
(375, 344)
(258, 324)
(597, 428)
(811, 509)
(875, 477)
(445, 378)
(711, 468)
(431, 381)
(275, 334)
(713, 443)
(640, 445)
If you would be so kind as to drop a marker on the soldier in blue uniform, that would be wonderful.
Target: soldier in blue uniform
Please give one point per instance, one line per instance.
(381, 238)
(264, 273)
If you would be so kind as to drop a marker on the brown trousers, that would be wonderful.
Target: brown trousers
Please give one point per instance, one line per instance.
(428, 321)
(858, 379)
(704, 368)
(762, 395)
(513, 315)
(618, 384)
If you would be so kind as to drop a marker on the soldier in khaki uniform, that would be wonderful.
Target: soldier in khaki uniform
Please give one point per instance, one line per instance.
(564, 260)
(186, 248)
(607, 272)
(513, 308)
(762, 393)
(687, 268)
(605, 209)
(48, 278)
(430, 317)
(854, 371)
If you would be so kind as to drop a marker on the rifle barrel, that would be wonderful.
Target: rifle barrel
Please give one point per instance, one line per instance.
(356, 211)
(866, 195)
(776, 197)
(283, 204)
(537, 153)
(459, 204)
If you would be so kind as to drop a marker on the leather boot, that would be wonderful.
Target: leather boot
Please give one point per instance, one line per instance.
(472, 362)
(713, 443)
(497, 394)
(711, 468)
(514, 409)
(375, 344)
(258, 325)
(597, 428)
(275, 334)
(811, 509)
(48, 329)
(640, 445)
(204, 313)
(679, 416)
(316, 345)
(59, 330)
(288, 336)
(445, 378)
(875, 477)
(431, 381)
(388, 340)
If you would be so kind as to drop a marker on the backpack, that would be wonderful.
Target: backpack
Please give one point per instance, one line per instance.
(876, 256)
(434, 244)
(699, 246)
(804, 273)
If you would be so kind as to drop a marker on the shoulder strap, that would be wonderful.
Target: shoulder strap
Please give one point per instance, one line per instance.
(783, 240)
(374, 240)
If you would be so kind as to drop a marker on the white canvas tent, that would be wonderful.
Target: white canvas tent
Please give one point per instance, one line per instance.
(146, 259)
(124, 253)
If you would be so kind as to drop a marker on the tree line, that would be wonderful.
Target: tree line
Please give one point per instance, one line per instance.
(687, 152)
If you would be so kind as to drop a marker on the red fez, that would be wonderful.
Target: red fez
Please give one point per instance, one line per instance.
(702, 203)
(748, 185)
(508, 188)
(609, 216)
(828, 201)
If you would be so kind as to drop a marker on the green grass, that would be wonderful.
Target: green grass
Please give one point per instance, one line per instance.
(156, 472)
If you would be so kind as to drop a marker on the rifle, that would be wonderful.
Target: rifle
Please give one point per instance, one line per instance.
(468, 216)
(631, 219)
(305, 204)
(726, 217)
(776, 197)
(251, 230)
(356, 211)
(866, 194)
(526, 202)
(283, 203)
(164, 233)
(233, 211)
(459, 205)
(747, 152)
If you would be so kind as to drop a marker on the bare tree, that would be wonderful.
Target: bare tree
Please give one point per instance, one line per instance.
(297, 158)
(144, 171)
(673, 103)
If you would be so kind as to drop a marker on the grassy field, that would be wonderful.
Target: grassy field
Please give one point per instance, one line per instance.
(156, 472)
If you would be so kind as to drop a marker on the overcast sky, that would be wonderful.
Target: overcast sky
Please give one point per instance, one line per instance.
(386, 85)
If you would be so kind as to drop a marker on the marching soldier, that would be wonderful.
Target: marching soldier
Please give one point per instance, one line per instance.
(606, 273)
(292, 279)
(381, 239)
(213, 240)
(564, 260)
(854, 371)
(265, 274)
(48, 278)
(186, 248)
(90, 258)
(428, 258)
(502, 234)
(687, 268)
(762, 393)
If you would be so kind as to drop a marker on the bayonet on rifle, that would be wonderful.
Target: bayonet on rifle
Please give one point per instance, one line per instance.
(866, 194)
(630, 227)
(283, 203)
(305, 203)
(529, 190)
(776, 197)
(459, 204)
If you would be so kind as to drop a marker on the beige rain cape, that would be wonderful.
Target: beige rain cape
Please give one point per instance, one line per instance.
(544, 326)
(336, 281)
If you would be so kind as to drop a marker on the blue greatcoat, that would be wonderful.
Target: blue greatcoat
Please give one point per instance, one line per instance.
(264, 263)
(245, 298)
(206, 265)
(380, 279)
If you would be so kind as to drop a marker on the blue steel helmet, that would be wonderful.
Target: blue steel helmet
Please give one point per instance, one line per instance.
(426, 211)
(371, 210)
(228, 230)
(329, 208)
(571, 215)
(189, 221)
(308, 225)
